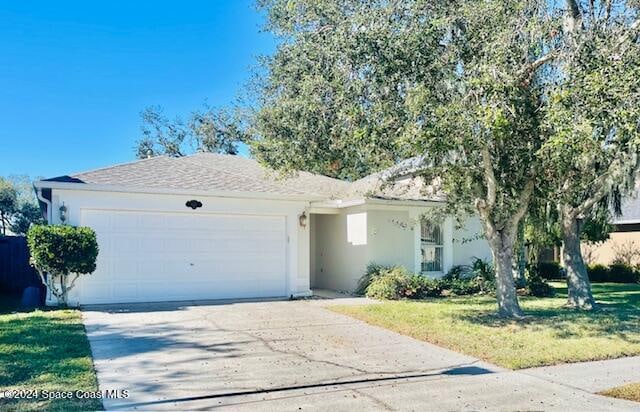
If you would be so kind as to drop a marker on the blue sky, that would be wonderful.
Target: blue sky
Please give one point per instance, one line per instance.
(74, 75)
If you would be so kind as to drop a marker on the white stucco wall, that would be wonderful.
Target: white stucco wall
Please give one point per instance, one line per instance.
(341, 255)
(391, 238)
(298, 259)
(392, 233)
(469, 243)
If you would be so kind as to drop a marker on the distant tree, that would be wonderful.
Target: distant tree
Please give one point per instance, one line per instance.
(8, 204)
(26, 215)
(20, 208)
(206, 130)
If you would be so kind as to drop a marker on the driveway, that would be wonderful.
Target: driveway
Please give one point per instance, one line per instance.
(286, 355)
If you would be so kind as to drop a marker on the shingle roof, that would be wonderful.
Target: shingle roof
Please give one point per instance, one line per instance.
(216, 172)
(398, 182)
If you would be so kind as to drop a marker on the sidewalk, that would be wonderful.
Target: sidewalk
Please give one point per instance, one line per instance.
(592, 377)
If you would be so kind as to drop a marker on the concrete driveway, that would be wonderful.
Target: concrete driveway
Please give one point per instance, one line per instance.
(287, 355)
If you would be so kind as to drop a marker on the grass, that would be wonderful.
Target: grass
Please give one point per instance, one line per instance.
(630, 392)
(550, 334)
(45, 350)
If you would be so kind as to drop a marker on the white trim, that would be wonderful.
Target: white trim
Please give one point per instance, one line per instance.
(190, 192)
(626, 222)
(343, 204)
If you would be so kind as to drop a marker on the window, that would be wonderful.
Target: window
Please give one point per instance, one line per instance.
(431, 246)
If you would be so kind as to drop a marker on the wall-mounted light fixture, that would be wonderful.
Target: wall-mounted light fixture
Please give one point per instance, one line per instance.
(302, 219)
(63, 213)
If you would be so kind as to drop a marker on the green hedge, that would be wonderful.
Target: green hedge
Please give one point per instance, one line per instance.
(395, 282)
(615, 273)
(549, 270)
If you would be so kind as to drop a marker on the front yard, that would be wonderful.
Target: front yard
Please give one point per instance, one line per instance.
(45, 351)
(551, 334)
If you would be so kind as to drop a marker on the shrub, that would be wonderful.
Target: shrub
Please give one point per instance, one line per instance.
(373, 271)
(389, 285)
(460, 272)
(61, 254)
(470, 280)
(420, 287)
(536, 284)
(384, 282)
(549, 270)
(598, 273)
(623, 273)
(483, 269)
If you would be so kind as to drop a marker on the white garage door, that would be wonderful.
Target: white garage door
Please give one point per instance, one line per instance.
(148, 257)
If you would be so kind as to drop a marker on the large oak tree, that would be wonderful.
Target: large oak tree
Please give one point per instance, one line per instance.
(594, 121)
(482, 90)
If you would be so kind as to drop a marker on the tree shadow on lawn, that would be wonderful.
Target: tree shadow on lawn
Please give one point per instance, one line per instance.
(618, 315)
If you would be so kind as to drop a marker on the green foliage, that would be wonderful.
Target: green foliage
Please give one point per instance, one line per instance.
(8, 204)
(333, 97)
(396, 283)
(420, 287)
(616, 273)
(549, 270)
(63, 250)
(598, 273)
(479, 278)
(597, 226)
(390, 285)
(537, 284)
(623, 273)
(374, 271)
(27, 214)
(206, 130)
(18, 206)
(505, 101)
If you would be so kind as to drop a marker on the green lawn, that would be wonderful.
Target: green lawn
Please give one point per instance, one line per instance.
(48, 351)
(550, 334)
(630, 392)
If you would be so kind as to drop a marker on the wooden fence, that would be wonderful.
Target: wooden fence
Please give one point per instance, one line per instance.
(15, 271)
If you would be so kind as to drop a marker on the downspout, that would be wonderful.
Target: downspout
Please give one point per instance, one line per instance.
(47, 202)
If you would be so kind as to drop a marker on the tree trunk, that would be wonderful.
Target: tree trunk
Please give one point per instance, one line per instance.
(502, 250)
(578, 285)
(519, 264)
(4, 228)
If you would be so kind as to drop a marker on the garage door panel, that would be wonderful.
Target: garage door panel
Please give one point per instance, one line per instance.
(176, 256)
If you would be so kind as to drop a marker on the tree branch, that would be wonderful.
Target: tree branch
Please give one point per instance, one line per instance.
(530, 70)
(629, 34)
(525, 198)
(602, 185)
(490, 176)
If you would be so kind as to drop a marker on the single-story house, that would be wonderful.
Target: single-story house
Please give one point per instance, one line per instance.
(212, 226)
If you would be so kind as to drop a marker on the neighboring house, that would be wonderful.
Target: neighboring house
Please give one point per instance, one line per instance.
(213, 226)
(624, 241)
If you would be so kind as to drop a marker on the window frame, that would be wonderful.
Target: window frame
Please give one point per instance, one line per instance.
(436, 244)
